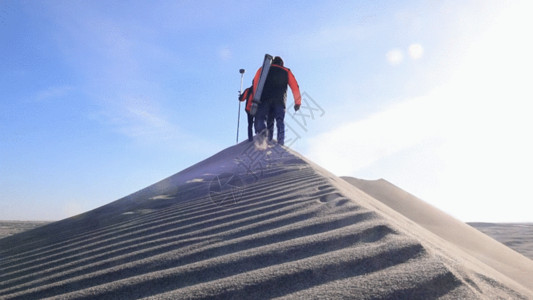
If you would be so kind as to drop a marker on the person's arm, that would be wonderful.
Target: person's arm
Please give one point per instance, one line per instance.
(293, 84)
(245, 94)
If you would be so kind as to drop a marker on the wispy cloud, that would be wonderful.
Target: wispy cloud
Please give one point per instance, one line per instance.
(116, 58)
(138, 117)
(53, 92)
(225, 53)
(355, 145)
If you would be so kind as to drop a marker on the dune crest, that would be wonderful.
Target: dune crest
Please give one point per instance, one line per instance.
(245, 223)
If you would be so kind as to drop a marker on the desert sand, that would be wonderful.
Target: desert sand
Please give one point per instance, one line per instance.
(8, 228)
(257, 223)
(517, 236)
(470, 240)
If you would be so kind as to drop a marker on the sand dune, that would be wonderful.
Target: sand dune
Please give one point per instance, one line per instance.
(517, 236)
(247, 223)
(8, 228)
(481, 246)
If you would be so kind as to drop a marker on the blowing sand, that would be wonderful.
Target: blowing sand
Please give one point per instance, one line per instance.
(250, 223)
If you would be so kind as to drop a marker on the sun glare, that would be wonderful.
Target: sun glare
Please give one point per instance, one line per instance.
(488, 109)
(416, 51)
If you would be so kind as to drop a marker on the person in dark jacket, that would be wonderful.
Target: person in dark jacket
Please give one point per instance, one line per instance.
(274, 99)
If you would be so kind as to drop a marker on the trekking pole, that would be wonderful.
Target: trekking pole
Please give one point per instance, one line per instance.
(239, 112)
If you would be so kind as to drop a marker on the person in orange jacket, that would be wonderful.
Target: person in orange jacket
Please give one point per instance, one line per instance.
(248, 96)
(274, 98)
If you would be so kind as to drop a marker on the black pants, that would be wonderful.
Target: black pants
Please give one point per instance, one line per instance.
(267, 112)
(270, 126)
(250, 127)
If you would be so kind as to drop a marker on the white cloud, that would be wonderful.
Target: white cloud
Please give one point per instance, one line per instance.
(478, 148)
(356, 145)
(225, 53)
(481, 118)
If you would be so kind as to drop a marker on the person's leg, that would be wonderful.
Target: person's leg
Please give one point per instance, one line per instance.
(279, 115)
(270, 123)
(260, 117)
(250, 127)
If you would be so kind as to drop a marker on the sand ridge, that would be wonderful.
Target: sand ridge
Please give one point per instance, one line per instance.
(244, 223)
(477, 244)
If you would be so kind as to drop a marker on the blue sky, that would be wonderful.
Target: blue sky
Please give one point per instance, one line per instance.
(102, 98)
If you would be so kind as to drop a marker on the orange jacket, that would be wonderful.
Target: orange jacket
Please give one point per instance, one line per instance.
(276, 85)
(247, 96)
